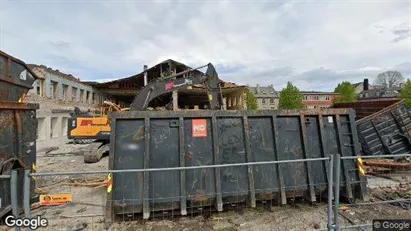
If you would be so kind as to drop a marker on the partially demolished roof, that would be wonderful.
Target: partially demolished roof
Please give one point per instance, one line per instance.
(136, 81)
(42, 69)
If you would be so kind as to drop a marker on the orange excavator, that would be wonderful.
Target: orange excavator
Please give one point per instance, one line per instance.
(89, 126)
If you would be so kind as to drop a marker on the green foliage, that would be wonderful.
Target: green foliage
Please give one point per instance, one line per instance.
(251, 101)
(346, 91)
(290, 97)
(406, 93)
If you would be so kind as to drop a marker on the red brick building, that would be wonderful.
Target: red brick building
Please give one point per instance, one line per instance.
(316, 99)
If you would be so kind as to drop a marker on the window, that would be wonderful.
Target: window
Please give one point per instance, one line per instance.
(2, 64)
(54, 86)
(271, 101)
(74, 94)
(263, 101)
(81, 95)
(65, 92)
(327, 97)
(87, 96)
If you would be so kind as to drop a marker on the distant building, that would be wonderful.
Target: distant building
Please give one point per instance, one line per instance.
(316, 99)
(359, 87)
(267, 97)
(378, 92)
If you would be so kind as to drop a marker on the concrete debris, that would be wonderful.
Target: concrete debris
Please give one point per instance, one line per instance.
(84, 183)
(74, 228)
(48, 150)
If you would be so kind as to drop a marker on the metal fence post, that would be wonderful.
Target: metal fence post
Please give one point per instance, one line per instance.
(337, 190)
(14, 195)
(26, 196)
(330, 192)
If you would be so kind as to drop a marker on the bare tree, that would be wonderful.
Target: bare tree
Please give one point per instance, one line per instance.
(389, 79)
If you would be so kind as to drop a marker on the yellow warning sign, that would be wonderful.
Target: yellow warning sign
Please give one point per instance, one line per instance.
(109, 183)
(55, 199)
(361, 166)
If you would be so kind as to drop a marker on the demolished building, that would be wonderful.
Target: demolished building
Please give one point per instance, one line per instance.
(124, 90)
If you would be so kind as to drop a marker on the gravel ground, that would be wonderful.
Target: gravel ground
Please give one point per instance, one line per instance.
(88, 207)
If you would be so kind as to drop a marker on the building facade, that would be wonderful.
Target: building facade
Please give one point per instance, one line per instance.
(315, 99)
(57, 94)
(378, 92)
(267, 97)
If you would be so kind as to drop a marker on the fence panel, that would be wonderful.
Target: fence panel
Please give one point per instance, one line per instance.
(389, 185)
(70, 200)
(88, 195)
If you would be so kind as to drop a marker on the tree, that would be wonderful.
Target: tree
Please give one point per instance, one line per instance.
(406, 93)
(389, 79)
(290, 97)
(346, 91)
(251, 101)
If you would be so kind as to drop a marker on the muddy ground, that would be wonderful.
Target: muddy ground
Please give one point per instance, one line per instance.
(86, 212)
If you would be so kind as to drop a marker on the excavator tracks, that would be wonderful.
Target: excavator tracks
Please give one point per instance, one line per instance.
(95, 151)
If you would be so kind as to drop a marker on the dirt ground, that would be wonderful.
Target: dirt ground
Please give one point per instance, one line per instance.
(86, 212)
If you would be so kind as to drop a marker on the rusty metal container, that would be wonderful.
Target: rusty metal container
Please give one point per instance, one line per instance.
(163, 139)
(15, 78)
(18, 134)
(387, 131)
(18, 127)
(364, 108)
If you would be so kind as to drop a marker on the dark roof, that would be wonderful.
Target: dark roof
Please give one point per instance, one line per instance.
(391, 92)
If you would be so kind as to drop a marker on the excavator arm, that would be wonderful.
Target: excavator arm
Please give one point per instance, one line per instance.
(151, 91)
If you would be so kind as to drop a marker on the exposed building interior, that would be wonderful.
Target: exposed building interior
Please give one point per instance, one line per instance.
(124, 90)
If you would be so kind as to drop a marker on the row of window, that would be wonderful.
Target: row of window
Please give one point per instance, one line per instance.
(264, 101)
(84, 96)
(316, 98)
(315, 106)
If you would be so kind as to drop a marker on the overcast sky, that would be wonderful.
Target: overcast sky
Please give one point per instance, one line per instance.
(314, 44)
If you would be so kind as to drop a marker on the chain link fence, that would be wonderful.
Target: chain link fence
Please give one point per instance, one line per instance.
(120, 199)
(389, 192)
(90, 199)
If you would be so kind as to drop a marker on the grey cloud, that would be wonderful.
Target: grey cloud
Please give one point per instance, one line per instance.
(307, 43)
(60, 44)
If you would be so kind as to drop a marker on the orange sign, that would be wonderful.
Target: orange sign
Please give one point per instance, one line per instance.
(55, 199)
(199, 128)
